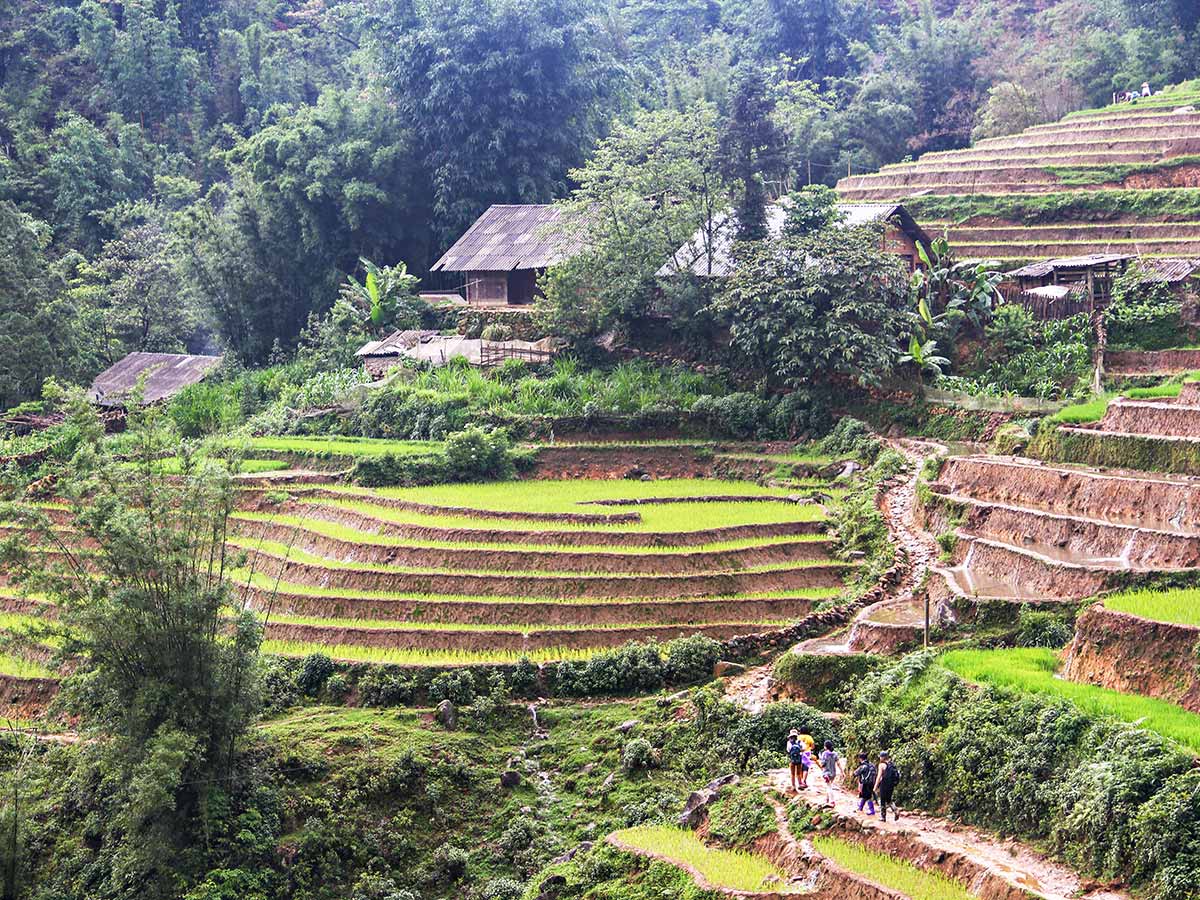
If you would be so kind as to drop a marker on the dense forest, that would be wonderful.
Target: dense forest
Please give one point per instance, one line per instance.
(195, 174)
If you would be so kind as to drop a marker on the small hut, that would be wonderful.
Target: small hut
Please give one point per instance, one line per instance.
(504, 252)
(166, 375)
(709, 255)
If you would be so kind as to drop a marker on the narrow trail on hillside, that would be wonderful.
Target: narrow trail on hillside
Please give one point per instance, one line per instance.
(751, 689)
(1015, 862)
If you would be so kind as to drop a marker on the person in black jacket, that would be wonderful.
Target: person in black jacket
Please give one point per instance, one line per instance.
(865, 776)
(887, 776)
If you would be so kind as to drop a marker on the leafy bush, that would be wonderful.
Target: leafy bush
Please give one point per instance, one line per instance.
(316, 668)
(458, 687)
(851, 437)
(449, 864)
(740, 416)
(1142, 316)
(767, 731)
(501, 889)
(497, 332)
(523, 681)
(337, 687)
(1044, 628)
(636, 755)
(740, 814)
(381, 686)
(691, 659)
(479, 454)
(202, 409)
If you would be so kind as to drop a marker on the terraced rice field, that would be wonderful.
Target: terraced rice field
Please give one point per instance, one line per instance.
(548, 569)
(1178, 607)
(1034, 671)
(729, 869)
(896, 874)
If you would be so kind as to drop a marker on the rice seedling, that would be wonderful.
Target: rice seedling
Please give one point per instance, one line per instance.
(345, 533)
(407, 657)
(897, 874)
(336, 446)
(174, 465)
(731, 869)
(262, 582)
(19, 667)
(1180, 606)
(670, 517)
(1079, 413)
(1033, 670)
(524, 627)
(278, 548)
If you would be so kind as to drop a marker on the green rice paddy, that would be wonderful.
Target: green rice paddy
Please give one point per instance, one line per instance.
(19, 667)
(666, 517)
(1180, 606)
(174, 465)
(1034, 670)
(731, 869)
(406, 657)
(337, 446)
(295, 554)
(266, 583)
(522, 627)
(897, 874)
(345, 533)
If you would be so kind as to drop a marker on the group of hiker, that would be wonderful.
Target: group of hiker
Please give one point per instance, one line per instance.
(1133, 94)
(875, 780)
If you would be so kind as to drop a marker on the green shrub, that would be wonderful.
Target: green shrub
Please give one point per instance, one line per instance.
(740, 814)
(337, 687)
(852, 438)
(479, 454)
(690, 659)
(1142, 316)
(740, 416)
(203, 409)
(1044, 628)
(383, 686)
(457, 686)
(405, 469)
(316, 668)
(497, 332)
(636, 755)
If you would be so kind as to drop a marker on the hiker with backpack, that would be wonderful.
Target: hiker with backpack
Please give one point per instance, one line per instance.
(887, 776)
(865, 776)
(831, 765)
(797, 750)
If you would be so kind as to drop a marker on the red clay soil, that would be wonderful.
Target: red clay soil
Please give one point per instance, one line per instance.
(1151, 362)
(539, 561)
(507, 640)
(25, 698)
(566, 538)
(581, 586)
(1086, 541)
(255, 499)
(1131, 498)
(1136, 656)
(481, 612)
(1154, 418)
(1032, 574)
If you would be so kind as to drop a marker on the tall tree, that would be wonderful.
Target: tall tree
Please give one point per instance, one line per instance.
(503, 97)
(752, 149)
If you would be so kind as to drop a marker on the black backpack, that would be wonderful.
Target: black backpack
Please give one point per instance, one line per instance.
(891, 776)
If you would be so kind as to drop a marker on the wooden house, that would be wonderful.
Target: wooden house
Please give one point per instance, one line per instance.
(708, 253)
(503, 253)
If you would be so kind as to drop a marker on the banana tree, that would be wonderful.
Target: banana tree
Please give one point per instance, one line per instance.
(381, 293)
(924, 355)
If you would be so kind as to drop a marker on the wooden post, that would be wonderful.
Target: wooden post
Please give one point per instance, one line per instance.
(810, 171)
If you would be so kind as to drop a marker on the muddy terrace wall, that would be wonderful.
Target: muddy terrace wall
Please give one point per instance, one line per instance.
(568, 537)
(25, 698)
(1152, 418)
(533, 560)
(1084, 540)
(1148, 501)
(1151, 362)
(1032, 575)
(583, 585)
(1136, 656)
(482, 612)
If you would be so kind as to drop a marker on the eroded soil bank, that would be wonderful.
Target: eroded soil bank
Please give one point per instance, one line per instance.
(1135, 656)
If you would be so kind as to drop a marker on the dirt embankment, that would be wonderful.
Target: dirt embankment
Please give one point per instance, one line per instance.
(533, 560)
(669, 461)
(1158, 418)
(1086, 541)
(1151, 362)
(25, 698)
(562, 538)
(583, 585)
(1168, 504)
(1136, 656)
(1031, 574)
(482, 612)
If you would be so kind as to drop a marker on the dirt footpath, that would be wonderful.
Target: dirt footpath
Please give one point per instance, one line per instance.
(1014, 862)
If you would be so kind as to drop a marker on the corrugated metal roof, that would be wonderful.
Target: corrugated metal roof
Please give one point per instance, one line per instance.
(167, 375)
(1172, 271)
(693, 256)
(1045, 267)
(506, 238)
(395, 343)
